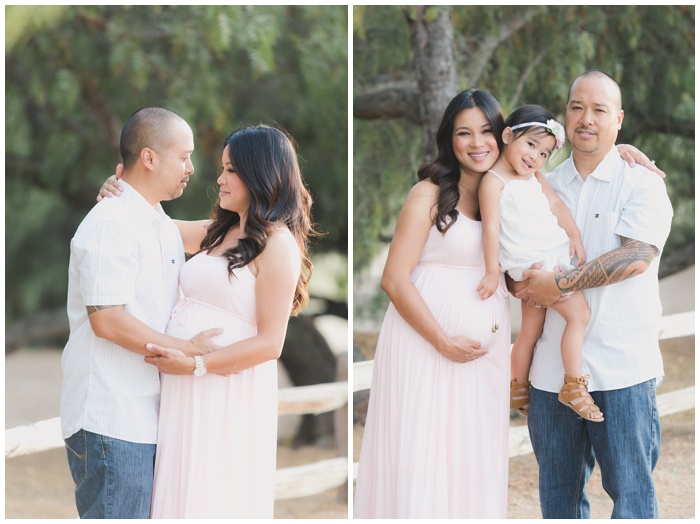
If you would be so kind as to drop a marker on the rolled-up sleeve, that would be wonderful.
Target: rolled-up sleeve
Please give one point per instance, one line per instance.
(108, 263)
(647, 213)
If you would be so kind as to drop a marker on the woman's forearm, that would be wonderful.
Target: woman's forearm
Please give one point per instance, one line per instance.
(413, 309)
(244, 354)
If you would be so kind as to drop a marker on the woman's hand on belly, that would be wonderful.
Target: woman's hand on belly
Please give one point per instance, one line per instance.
(201, 343)
(461, 349)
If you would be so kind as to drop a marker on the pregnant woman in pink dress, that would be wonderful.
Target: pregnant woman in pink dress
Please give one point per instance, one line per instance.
(217, 433)
(435, 443)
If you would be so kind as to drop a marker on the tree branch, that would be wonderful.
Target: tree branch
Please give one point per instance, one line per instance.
(482, 56)
(389, 102)
(526, 74)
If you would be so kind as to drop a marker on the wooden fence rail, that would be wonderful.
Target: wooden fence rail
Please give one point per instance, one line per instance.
(293, 482)
(672, 326)
(323, 475)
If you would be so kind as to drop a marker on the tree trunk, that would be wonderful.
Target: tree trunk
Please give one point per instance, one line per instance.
(389, 96)
(432, 42)
(422, 95)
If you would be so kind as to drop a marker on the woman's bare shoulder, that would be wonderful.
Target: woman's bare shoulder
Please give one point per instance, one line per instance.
(280, 245)
(423, 195)
(281, 242)
(424, 188)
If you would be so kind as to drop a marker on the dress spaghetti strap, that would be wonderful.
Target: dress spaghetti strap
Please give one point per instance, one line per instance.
(505, 182)
(499, 176)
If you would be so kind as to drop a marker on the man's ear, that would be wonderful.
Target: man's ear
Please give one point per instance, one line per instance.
(148, 158)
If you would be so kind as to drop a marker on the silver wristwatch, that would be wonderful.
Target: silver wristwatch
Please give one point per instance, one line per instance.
(199, 369)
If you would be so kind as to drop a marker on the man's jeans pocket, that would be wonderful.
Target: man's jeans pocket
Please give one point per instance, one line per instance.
(76, 449)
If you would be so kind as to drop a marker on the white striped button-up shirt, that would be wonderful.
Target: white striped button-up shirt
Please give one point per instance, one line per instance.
(621, 346)
(124, 252)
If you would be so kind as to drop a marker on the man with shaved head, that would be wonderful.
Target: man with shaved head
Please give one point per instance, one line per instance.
(122, 285)
(624, 215)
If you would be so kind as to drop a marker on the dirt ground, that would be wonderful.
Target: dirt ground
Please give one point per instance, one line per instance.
(40, 486)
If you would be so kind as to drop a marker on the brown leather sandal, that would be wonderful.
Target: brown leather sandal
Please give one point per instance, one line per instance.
(520, 396)
(574, 394)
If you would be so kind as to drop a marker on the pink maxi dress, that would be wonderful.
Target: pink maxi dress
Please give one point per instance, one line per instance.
(435, 442)
(217, 435)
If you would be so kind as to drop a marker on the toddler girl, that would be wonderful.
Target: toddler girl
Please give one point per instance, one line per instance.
(525, 222)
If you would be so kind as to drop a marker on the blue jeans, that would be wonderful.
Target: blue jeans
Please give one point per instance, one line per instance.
(626, 446)
(113, 478)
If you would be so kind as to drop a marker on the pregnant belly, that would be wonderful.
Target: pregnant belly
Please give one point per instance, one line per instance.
(189, 318)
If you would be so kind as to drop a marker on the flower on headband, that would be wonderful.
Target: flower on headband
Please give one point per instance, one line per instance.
(557, 130)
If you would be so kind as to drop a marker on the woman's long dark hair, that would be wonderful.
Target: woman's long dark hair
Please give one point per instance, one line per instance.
(265, 160)
(444, 170)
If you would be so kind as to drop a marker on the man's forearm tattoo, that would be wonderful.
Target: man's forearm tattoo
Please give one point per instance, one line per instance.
(631, 259)
(92, 309)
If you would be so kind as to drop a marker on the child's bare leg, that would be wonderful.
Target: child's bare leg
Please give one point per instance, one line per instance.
(577, 315)
(530, 330)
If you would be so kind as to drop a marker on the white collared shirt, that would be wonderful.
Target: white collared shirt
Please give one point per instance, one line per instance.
(621, 346)
(126, 252)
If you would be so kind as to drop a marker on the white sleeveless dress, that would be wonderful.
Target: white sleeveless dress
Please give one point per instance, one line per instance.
(529, 230)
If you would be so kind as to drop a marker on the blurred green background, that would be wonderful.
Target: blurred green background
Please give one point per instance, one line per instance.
(74, 74)
(520, 54)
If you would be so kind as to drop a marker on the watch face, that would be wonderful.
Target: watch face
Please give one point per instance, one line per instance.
(200, 370)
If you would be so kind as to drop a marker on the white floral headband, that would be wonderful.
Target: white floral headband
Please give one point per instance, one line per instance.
(552, 126)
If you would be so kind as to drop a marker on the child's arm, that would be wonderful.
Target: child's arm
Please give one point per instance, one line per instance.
(489, 206)
(565, 220)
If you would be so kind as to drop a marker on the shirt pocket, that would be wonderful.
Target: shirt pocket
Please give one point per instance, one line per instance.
(602, 237)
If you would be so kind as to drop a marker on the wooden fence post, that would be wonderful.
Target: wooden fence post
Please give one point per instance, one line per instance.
(341, 421)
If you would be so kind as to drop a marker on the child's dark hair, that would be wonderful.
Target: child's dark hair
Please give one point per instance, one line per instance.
(526, 114)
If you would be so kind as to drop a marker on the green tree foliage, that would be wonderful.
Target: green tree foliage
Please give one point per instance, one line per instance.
(74, 76)
(650, 51)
